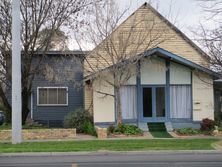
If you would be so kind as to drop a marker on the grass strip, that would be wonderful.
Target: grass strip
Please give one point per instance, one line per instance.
(112, 145)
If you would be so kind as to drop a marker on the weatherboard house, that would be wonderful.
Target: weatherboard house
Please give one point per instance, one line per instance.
(174, 84)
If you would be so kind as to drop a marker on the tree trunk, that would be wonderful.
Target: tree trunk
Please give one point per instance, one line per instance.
(118, 105)
(7, 107)
(25, 103)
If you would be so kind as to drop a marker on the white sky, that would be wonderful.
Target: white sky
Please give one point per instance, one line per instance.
(185, 14)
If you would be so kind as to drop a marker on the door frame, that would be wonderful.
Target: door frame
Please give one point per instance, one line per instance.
(154, 118)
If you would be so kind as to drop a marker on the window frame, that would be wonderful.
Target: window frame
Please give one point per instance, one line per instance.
(67, 96)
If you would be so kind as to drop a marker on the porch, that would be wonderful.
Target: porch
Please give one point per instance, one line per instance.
(167, 88)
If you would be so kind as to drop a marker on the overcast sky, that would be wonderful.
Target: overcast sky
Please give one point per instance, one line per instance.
(185, 14)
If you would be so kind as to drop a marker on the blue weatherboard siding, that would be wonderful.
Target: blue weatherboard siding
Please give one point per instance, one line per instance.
(54, 115)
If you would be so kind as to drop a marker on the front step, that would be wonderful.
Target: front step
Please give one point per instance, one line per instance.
(156, 126)
(143, 126)
(169, 126)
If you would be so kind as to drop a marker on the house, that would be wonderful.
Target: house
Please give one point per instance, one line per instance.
(172, 82)
(57, 88)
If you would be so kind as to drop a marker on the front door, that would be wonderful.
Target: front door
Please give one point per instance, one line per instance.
(154, 104)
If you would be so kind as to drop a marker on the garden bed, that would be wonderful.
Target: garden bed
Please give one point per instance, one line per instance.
(123, 135)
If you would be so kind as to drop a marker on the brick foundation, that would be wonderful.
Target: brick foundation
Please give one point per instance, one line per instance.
(101, 132)
(33, 134)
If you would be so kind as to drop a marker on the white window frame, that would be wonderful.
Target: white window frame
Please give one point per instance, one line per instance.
(67, 97)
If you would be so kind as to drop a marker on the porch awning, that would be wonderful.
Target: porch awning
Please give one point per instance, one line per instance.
(164, 54)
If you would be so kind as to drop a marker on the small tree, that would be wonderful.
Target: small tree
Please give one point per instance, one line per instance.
(117, 48)
(210, 38)
(59, 40)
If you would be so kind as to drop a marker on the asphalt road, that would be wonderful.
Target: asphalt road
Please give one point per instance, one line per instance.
(156, 159)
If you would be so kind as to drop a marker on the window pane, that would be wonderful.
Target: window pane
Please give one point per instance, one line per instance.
(180, 101)
(147, 102)
(52, 96)
(128, 102)
(160, 102)
(62, 96)
(42, 96)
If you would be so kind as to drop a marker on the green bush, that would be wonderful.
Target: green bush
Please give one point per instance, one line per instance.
(188, 131)
(2, 107)
(125, 129)
(88, 128)
(33, 126)
(76, 119)
(218, 118)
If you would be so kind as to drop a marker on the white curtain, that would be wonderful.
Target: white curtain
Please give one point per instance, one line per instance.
(180, 101)
(128, 102)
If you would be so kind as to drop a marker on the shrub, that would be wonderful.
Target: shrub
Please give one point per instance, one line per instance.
(207, 124)
(88, 128)
(132, 130)
(188, 131)
(76, 119)
(218, 118)
(33, 126)
(111, 129)
(125, 129)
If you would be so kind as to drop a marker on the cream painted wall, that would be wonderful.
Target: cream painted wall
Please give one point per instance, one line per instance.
(203, 98)
(153, 71)
(132, 73)
(103, 106)
(179, 74)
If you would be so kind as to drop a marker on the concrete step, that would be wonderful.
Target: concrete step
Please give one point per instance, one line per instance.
(169, 126)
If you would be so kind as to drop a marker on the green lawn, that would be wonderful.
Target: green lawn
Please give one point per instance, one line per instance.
(112, 145)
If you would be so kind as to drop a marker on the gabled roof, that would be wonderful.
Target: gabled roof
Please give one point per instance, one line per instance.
(163, 54)
(176, 29)
(173, 27)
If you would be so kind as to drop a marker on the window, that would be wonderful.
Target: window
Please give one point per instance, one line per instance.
(180, 101)
(128, 102)
(52, 96)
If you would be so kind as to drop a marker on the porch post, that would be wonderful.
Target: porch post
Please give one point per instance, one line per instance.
(138, 86)
(168, 90)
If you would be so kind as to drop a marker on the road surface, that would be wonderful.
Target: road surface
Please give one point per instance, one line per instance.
(135, 159)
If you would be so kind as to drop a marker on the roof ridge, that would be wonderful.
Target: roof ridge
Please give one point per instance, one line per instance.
(183, 35)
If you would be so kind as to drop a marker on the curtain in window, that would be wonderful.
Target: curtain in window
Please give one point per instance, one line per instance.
(128, 102)
(180, 101)
(42, 96)
(52, 96)
(62, 96)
